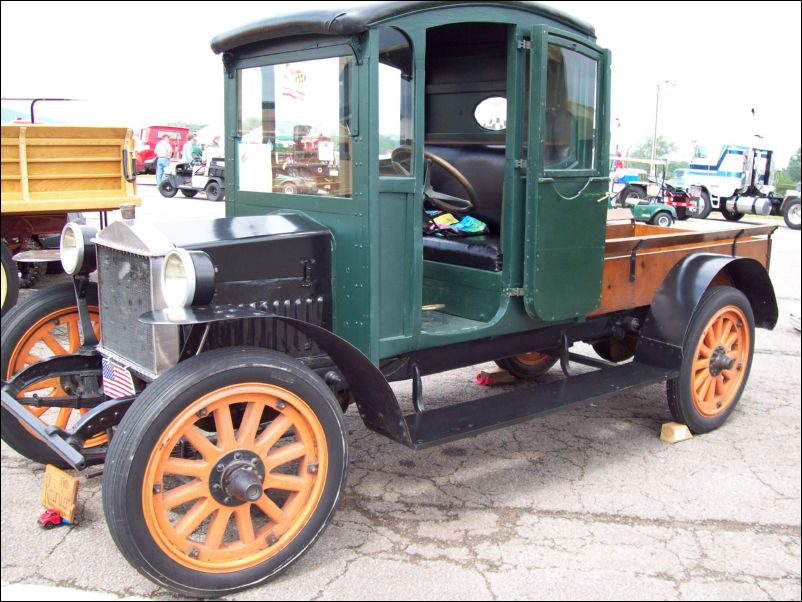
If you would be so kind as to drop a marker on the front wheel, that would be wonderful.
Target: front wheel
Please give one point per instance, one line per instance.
(791, 215)
(663, 220)
(717, 356)
(702, 206)
(214, 191)
(167, 189)
(225, 471)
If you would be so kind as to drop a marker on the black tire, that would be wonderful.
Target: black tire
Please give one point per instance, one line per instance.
(16, 325)
(791, 215)
(10, 281)
(188, 193)
(616, 350)
(730, 216)
(682, 213)
(631, 192)
(703, 206)
(683, 401)
(167, 189)
(167, 411)
(662, 219)
(289, 188)
(214, 192)
(528, 365)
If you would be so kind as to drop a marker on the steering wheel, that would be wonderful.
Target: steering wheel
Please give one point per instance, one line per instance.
(400, 159)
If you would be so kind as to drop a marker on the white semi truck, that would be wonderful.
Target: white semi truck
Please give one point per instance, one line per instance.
(736, 180)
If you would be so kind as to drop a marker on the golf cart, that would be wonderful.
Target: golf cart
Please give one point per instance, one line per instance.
(191, 179)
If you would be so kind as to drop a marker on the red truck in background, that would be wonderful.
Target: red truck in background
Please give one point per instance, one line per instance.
(149, 136)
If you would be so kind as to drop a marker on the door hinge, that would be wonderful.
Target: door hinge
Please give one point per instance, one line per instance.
(519, 163)
(513, 292)
(524, 44)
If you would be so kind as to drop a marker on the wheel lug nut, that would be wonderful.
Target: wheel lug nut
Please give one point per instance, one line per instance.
(281, 404)
(220, 468)
(216, 486)
(237, 456)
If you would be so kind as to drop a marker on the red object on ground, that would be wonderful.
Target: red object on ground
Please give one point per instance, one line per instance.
(50, 518)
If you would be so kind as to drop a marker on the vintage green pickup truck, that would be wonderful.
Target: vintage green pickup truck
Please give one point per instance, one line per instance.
(210, 366)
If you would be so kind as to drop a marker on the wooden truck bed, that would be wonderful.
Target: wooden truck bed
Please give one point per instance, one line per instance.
(637, 257)
(60, 169)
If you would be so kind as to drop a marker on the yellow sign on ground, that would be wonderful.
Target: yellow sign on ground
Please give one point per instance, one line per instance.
(60, 491)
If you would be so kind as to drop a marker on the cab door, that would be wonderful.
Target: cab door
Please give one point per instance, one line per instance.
(567, 175)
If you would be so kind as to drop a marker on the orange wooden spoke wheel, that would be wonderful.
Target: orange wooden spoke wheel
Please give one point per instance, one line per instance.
(533, 358)
(55, 334)
(720, 360)
(254, 475)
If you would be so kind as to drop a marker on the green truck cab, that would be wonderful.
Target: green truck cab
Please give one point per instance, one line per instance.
(211, 365)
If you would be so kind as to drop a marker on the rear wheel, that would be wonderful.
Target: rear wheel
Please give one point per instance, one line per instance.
(167, 189)
(9, 279)
(225, 471)
(42, 326)
(633, 193)
(730, 216)
(528, 365)
(717, 357)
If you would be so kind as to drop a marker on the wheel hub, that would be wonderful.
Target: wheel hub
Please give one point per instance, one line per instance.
(237, 478)
(719, 361)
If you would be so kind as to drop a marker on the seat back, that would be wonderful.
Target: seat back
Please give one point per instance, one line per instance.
(483, 166)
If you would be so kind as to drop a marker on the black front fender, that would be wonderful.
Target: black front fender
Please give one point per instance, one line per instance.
(665, 328)
(378, 405)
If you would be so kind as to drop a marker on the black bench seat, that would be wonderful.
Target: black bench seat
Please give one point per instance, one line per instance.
(482, 252)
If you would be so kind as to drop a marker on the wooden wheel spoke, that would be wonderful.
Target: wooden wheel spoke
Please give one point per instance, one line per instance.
(183, 494)
(73, 335)
(720, 387)
(225, 428)
(285, 454)
(30, 358)
(710, 338)
(242, 514)
(271, 510)
(272, 434)
(285, 482)
(705, 351)
(731, 340)
(47, 383)
(56, 347)
(217, 528)
(699, 380)
(188, 468)
(198, 439)
(63, 417)
(194, 517)
(702, 390)
(701, 364)
(725, 332)
(246, 435)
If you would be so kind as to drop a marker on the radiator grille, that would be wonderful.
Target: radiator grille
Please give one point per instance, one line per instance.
(125, 294)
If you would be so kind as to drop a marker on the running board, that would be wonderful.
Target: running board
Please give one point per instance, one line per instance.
(442, 425)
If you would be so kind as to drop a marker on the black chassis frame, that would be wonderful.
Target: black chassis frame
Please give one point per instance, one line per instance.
(662, 330)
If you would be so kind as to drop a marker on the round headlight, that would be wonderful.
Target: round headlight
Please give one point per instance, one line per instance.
(76, 251)
(188, 278)
(179, 279)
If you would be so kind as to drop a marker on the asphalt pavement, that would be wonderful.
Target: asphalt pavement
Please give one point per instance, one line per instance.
(585, 504)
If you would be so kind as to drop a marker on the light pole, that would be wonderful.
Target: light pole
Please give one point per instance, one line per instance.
(653, 168)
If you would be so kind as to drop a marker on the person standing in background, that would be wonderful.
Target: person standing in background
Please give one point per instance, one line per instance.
(186, 150)
(164, 151)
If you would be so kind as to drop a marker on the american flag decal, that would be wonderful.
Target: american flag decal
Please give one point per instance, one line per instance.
(117, 381)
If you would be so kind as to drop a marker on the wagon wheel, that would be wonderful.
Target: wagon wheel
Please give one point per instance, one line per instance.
(44, 325)
(528, 365)
(225, 470)
(717, 357)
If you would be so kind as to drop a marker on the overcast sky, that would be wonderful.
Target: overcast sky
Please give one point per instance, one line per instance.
(142, 63)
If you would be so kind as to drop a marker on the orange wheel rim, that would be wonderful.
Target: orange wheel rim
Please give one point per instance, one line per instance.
(210, 530)
(533, 358)
(720, 361)
(55, 334)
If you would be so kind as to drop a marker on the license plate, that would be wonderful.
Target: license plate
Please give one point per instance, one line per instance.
(117, 380)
